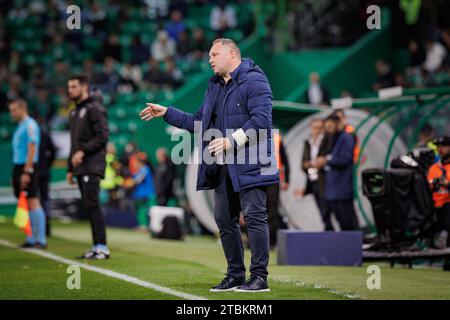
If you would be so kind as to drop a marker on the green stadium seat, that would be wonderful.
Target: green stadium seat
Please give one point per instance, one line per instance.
(125, 40)
(19, 46)
(236, 35)
(144, 96)
(133, 127)
(118, 113)
(125, 98)
(5, 133)
(113, 128)
(133, 112)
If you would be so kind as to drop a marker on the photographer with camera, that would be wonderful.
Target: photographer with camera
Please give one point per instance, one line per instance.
(439, 180)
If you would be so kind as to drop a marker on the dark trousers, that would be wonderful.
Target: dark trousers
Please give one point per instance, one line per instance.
(228, 205)
(345, 213)
(274, 217)
(318, 198)
(90, 189)
(443, 220)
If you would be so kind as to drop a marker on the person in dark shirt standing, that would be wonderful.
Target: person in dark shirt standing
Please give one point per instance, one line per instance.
(338, 166)
(47, 154)
(87, 161)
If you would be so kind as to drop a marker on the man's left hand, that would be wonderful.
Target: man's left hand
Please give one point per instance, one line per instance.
(217, 146)
(77, 158)
(320, 162)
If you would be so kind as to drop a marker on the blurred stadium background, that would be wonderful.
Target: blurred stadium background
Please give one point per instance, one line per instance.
(156, 50)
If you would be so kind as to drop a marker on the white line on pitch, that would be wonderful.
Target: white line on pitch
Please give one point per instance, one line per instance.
(105, 272)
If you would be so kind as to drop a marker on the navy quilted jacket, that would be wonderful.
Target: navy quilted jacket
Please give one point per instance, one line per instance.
(247, 105)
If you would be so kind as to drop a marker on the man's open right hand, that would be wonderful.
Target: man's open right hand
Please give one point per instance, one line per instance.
(153, 110)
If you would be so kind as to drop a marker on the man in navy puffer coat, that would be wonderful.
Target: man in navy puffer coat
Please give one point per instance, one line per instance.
(235, 126)
(338, 166)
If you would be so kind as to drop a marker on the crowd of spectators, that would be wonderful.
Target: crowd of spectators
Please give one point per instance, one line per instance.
(123, 47)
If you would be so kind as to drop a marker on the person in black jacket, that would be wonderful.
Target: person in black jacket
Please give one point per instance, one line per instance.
(87, 161)
(47, 154)
(318, 145)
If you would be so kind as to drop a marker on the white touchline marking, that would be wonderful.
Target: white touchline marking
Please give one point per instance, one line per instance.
(349, 295)
(105, 272)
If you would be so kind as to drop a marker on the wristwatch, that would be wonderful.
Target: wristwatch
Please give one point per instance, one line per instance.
(29, 170)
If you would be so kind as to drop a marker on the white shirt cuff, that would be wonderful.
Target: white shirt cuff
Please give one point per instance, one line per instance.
(240, 137)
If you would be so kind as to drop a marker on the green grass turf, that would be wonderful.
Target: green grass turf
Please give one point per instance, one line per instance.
(191, 266)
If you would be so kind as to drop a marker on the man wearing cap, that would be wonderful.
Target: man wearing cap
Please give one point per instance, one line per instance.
(439, 180)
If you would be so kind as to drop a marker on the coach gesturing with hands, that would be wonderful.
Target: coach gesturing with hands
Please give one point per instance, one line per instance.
(238, 101)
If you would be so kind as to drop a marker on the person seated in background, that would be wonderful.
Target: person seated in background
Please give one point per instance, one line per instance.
(439, 180)
(338, 165)
(222, 18)
(316, 93)
(111, 48)
(155, 78)
(176, 25)
(317, 145)
(200, 44)
(174, 74)
(107, 79)
(130, 77)
(163, 46)
(184, 44)
(385, 76)
(140, 52)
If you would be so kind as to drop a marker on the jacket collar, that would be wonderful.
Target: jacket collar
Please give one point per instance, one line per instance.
(240, 73)
(84, 102)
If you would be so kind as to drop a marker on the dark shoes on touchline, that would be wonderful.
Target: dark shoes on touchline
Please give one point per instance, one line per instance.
(36, 245)
(255, 284)
(228, 284)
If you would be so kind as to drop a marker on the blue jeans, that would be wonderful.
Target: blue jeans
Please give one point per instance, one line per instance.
(228, 205)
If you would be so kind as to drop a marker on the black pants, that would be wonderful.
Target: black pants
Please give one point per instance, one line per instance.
(228, 205)
(345, 213)
(324, 213)
(443, 220)
(90, 189)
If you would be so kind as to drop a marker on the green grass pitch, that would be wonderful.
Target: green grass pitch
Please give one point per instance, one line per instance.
(192, 267)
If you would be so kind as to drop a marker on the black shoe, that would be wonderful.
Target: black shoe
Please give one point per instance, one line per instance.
(26, 245)
(39, 245)
(87, 255)
(228, 284)
(100, 255)
(255, 284)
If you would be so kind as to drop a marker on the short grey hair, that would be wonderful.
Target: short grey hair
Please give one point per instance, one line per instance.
(229, 42)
